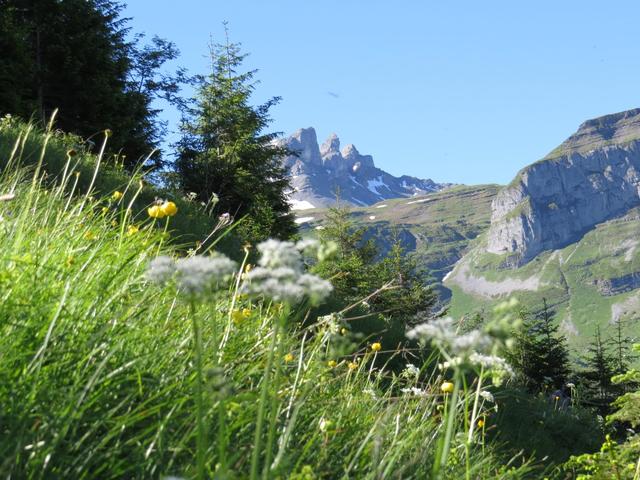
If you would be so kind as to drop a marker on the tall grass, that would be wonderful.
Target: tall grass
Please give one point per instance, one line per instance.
(103, 375)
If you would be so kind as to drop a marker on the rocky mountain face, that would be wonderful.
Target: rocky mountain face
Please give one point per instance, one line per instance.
(565, 232)
(592, 177)
(320, 173)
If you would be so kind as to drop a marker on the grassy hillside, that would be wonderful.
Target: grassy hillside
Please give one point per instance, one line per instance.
(437, 228)
(590, 283)
(106, 374)
(24, 144)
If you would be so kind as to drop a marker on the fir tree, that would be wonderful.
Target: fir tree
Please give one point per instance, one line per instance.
(225, 153)
(541, 356)
(76, 56)
(600, 367)
(359, 269)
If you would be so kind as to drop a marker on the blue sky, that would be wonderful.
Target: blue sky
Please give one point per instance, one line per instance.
(461, 91)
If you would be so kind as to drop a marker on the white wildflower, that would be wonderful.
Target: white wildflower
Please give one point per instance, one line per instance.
(332, 322)
(196, 274)
(314, 287)
(439, 330)
(370, 391)
(453, 363)
(280, 276)
(571, 385)
(488, 396)
(491, 362)
(474, 340)
(418, 392)
(161, 269)
(276, 254)
(411, 371)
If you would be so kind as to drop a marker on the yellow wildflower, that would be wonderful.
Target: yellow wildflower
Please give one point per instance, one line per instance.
(237, 316)
(169, 209)
(246, 312)
(332, 364)
(116, 195)
(105, 210)
(288, 357)
(447, 387)
(376, 347)
(155, 212)
(132, 230)
(352, 365)
(480, 423)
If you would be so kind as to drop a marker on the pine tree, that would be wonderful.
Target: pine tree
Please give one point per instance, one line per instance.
(622, 348)
(359, 269)
(541, 356)
(596, 376)
(76, 56)
(224, 151)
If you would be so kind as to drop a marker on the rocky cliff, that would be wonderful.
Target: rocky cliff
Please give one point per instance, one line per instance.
(592, 177)
(320, 173)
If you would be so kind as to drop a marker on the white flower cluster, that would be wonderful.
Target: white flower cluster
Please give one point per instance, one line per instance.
(491, 362)
(280, 275)
(470, 348)
(411, 371)
(193, 275)
(417, 392)
(488, 396)
(442, 332)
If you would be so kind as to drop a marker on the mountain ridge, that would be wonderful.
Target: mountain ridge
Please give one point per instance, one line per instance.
(322, 173)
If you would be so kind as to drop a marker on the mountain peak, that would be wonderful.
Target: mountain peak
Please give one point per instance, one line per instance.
(318, 174)
(330, 145)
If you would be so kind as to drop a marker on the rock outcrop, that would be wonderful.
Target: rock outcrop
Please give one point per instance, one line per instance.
(321, 174)
(592, 177)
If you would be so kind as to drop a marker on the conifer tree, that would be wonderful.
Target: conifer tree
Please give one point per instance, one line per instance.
(596, 376)
(76, 56)
(541, 356)
(226, 154)
(359, 269)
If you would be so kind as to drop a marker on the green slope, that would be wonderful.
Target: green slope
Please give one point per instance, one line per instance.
(589, 283)
(437, 227)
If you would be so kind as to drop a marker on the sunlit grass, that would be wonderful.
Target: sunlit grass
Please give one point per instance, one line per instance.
(104, 375)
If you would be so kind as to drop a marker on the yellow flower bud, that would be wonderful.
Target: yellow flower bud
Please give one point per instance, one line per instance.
(480, 423)
(376, 347)
(169, 209)
(155, 212)
(446, 387)
(132, 230)
(246, 312)
(288, 357)
(332, 364)
(116, 195)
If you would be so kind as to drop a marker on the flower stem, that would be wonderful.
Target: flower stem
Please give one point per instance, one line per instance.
(274, 402)
(445, 443)
(262, 403)
(200, 432)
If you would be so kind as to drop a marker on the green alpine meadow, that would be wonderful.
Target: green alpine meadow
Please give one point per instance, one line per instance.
(192, 286)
